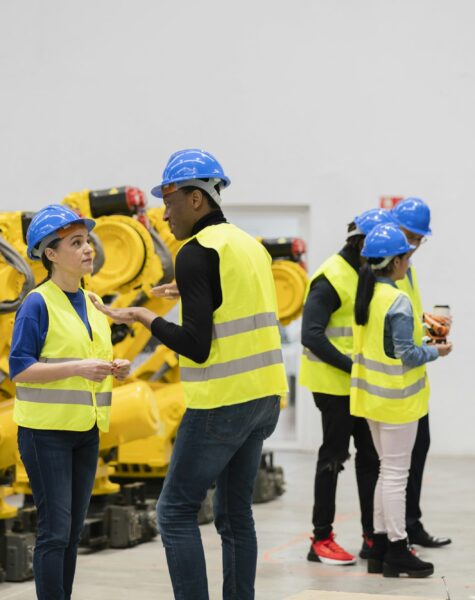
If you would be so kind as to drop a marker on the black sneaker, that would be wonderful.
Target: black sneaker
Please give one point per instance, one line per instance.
(422, 538)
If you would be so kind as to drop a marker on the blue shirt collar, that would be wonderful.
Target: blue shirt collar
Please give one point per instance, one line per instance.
(386, 280)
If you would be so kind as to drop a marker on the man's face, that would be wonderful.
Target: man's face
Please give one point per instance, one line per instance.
(179, 213)
(415, 239)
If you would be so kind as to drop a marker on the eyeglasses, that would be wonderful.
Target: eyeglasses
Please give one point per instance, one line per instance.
(416, 240)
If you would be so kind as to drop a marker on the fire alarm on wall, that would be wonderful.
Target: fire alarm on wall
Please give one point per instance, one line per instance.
(389, 201)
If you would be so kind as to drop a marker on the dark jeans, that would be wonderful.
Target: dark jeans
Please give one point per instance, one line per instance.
(414, 483)
(221, 445)
(61, 467)
(338, 427)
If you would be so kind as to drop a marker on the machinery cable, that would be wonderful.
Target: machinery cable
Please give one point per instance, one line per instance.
(99, 257)
(14, 259)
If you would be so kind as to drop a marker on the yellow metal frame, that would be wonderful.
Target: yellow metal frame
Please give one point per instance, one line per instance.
(143, 447)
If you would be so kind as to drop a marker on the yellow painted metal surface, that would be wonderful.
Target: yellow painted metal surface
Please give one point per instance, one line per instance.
(134, 415)
(130, 261)
(79, 201)
(148, 407)
(155, 451)
(8, 435)
(290, 283)
(6, 510)
(11, 229)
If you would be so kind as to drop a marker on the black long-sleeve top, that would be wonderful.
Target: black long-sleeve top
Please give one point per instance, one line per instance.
(321, 302)
(198, 280)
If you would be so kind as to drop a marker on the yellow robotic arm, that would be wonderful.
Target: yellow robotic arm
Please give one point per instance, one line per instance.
(290, 275)
(17, 280)
(8, 455)
(138, 253)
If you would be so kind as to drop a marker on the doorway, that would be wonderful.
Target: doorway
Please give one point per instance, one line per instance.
(274, 222)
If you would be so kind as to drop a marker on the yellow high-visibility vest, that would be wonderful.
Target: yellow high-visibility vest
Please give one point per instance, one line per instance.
(382, 388)
(245, 361)
(74, 403)
(319, 376)
(412, 290)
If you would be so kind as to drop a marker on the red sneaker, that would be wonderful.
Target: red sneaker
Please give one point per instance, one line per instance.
(329, 552)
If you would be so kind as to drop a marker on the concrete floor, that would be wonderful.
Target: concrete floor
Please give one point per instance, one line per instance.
(283, 528)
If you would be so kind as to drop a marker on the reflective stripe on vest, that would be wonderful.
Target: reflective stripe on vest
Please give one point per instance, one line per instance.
(104, 398)
(245, 360)
(244, 324)
(50, 396)
(339, 332)
(380, 367)
(315, 374)
(232, 367)
(393, 394)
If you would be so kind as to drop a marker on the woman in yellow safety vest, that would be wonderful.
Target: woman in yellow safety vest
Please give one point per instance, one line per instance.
(61, 361)
(389, 388)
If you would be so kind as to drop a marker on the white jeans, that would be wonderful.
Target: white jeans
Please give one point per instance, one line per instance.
(394, 445)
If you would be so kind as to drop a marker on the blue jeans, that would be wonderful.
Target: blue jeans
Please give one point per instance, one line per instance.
(61, 467)
(221, 445)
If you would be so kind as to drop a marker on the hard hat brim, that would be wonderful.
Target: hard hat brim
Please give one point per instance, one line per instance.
(89, 223)
(383, 253)
(158, 193)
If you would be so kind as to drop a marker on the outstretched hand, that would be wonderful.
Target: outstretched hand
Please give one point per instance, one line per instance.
(132, 314)
(118, 315)
(167, 290)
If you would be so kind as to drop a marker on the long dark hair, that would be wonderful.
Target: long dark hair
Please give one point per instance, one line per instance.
(47, 264)
(365, 289)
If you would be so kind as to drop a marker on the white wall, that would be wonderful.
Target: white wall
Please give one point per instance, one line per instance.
(327, 102)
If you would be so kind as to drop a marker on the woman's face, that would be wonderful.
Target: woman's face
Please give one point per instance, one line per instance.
(73, 254)
(400, 266)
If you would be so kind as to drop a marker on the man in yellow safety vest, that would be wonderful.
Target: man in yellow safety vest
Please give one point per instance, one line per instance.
(231, 370)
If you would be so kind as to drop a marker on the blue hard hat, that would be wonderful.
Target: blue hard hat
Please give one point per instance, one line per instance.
(46, 223)
(372, 217)
(193, 163)
(385, 240)
(414, 215)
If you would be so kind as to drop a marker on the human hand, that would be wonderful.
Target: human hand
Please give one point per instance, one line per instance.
(120, 368)
(444, 349)
(118, 315)
(167, 290)
(93, 369)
